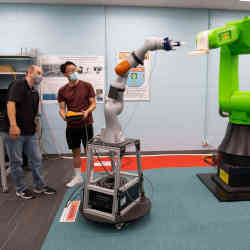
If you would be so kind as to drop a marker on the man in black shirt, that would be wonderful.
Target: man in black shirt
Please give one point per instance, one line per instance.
(22, 108)
(5, 126)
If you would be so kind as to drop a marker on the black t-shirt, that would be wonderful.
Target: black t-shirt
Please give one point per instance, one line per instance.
(27, 101)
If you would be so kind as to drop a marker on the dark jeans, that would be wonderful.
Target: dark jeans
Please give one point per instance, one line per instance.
(30, 146)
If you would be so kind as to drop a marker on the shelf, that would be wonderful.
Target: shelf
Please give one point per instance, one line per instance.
(12, 73)
(15, 57)
(13, 67)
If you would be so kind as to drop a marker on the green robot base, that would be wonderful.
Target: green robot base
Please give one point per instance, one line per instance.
(232, 180)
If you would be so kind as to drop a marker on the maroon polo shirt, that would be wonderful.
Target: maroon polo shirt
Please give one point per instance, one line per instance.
(76, 99)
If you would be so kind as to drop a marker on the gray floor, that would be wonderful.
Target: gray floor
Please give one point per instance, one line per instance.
(25, 224)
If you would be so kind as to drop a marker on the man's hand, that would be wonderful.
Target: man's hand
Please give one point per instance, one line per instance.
(85, 114)
(62, 114)
(14, 132)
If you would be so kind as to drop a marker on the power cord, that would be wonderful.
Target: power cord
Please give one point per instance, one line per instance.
(78, 188)
(100, 161)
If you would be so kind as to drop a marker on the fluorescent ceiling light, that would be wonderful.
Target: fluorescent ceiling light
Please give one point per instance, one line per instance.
(244, 0)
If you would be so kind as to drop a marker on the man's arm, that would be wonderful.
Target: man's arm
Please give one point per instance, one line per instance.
(62, 110)
(91, 107)
(92, 104)
(11, 111)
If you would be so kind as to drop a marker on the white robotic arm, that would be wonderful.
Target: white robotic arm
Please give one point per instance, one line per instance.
(114, 103)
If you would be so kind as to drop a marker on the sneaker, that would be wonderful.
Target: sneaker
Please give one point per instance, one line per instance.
(45, 190)
(26, 194)
(76, 180)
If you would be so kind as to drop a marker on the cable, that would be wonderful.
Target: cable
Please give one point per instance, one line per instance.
(109, 182)
(76, 194)
(87, 138)
(95, 152)
(151, 186)
(107, 172)
(211, 160)
(79, 187)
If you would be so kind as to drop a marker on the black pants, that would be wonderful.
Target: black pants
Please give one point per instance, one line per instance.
(76, 136)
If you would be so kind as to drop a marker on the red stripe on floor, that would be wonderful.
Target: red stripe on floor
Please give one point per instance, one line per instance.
(151, 162)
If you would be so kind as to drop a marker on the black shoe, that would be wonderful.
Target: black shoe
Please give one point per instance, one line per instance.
(46, 190)
(26, 194)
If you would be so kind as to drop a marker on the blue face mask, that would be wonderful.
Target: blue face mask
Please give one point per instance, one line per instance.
(37, 80)
(73, 77)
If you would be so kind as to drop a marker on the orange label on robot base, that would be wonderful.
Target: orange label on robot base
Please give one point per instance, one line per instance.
(224, 176)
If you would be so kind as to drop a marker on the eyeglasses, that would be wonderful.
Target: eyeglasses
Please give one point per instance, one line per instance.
(72, 71)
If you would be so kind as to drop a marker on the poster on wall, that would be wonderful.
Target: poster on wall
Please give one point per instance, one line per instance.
(90, 69)
(138, 81)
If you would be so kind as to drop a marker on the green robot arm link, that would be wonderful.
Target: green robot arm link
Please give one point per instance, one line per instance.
(233, 40)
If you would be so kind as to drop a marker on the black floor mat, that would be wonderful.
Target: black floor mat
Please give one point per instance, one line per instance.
(25, 224)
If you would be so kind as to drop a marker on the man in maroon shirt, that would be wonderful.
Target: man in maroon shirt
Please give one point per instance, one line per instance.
(76, 96)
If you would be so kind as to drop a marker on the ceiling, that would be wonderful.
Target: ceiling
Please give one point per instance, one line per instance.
(210, 4)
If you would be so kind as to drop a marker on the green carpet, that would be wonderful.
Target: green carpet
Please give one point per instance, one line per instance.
(185, 215)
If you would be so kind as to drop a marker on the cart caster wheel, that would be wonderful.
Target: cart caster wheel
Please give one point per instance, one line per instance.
(119, 226)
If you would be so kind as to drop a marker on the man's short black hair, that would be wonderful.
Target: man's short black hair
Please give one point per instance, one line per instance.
(63, 66)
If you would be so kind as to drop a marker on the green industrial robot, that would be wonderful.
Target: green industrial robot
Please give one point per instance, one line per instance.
(232, 180)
